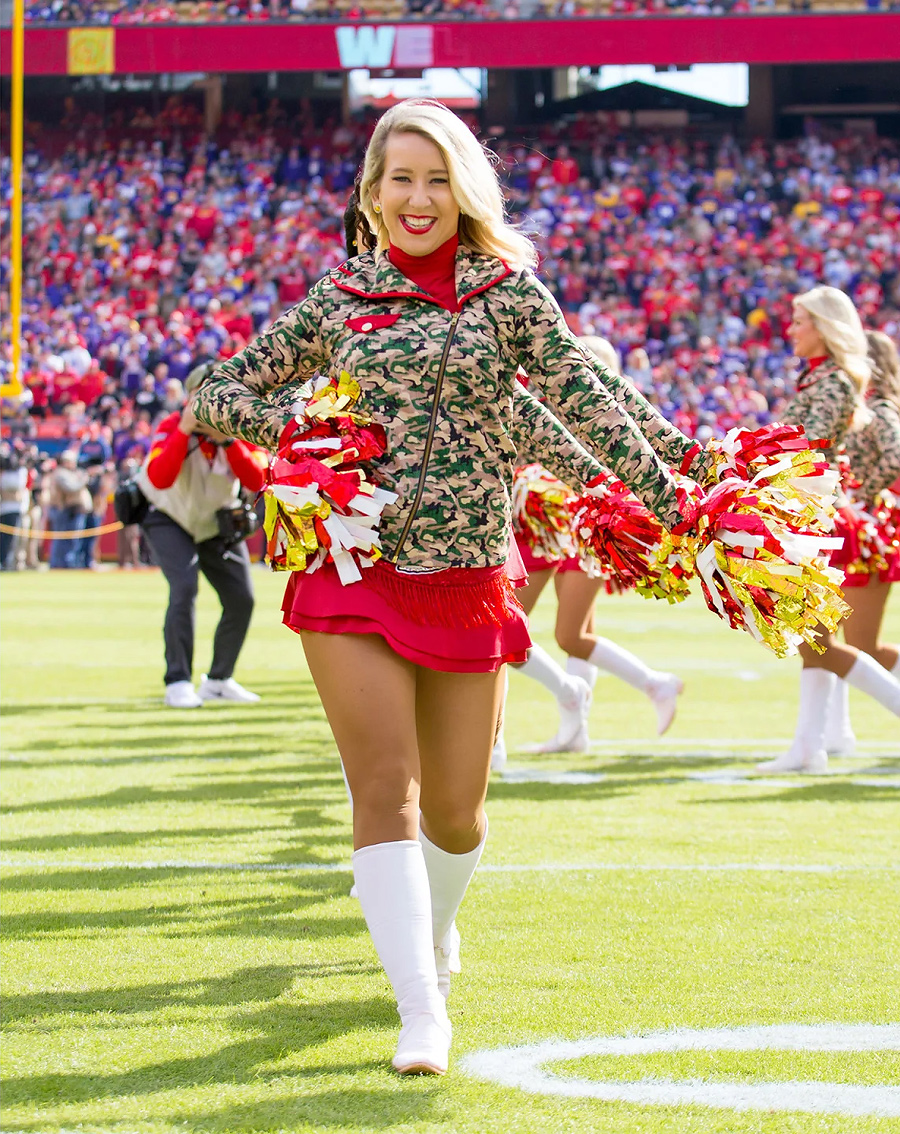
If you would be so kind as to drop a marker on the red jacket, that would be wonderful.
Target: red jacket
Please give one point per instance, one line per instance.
(170, 447)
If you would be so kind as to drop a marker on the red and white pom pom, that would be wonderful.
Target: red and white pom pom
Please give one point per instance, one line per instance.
(759, 540)
(542, 515)
(320, 505)
(624, 544)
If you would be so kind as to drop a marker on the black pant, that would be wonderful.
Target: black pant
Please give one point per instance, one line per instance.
(227, 571)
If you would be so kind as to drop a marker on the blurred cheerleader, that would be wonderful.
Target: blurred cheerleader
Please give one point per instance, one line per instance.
(826, 332)
(586, 652)
(873, 452)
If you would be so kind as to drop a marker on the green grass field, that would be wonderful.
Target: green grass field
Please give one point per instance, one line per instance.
(181, 952)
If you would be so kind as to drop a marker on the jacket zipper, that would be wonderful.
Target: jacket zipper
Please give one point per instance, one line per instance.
(429, 440)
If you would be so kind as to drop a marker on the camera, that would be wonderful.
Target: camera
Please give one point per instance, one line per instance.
(236, 523)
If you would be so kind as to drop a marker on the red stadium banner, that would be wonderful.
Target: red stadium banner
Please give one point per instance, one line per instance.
(159, 49)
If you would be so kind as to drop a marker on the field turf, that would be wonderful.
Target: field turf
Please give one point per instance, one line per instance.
(181, 953)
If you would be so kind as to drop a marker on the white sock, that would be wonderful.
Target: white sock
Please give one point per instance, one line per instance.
(541, 667)
(578, 667)
(448, 878)
(894, 671)
(839, 736)
(622, 663)
(816, 687)
(868, 676)
(396, 902)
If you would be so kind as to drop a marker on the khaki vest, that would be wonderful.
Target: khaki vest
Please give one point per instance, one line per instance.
(199, 491)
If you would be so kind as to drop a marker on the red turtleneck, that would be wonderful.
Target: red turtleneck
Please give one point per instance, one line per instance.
(434, 273)
(806, 378)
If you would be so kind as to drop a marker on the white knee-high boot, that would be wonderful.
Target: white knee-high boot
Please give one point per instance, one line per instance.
(392, 883)
(663, 689)
(807, 752)
(839, 737)
(448, 878)
(869, 677)
(578, 667)
(573, 696)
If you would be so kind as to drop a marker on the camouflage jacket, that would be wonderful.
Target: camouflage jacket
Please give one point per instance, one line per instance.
(442, 385)
(823, 405)
(538, 436)
(874, 449)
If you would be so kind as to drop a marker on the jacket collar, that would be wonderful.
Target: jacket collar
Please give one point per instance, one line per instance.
(373, 276)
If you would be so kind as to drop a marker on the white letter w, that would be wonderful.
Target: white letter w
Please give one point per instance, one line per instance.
(365, 46)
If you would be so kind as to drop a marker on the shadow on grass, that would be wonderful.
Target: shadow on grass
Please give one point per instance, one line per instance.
(837, 790)
(280, 1028)
(251, 789)
(291, 912)
(244, 986)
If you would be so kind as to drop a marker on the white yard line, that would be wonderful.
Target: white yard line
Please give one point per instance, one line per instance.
(13, 863)
(523, 1068)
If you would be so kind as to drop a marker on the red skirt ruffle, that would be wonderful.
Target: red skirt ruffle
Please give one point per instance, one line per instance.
(871, 547)
(461, 620)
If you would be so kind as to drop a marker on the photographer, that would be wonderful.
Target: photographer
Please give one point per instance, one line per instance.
(68, 503)
(13, 502)
(191, 474)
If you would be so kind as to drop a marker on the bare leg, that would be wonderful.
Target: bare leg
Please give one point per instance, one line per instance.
(589, 652)
(455, 724)
(573, 696)
(862, 628)
(369, 696)
(404, 732)
(531, 592)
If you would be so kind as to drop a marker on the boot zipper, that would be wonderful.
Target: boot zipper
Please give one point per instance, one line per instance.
(429, 440)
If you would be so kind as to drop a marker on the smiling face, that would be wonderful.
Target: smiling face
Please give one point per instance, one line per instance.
(805, 338)
(417, 206)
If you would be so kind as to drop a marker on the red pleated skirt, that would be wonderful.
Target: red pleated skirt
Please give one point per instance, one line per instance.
(532, 562)
(460, 620)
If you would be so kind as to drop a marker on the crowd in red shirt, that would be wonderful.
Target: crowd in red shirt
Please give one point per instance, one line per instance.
(151, 248)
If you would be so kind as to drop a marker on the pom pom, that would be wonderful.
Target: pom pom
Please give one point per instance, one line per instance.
(624, 544)
(542, 513)
(320, 505)
(765, 537)
(760, 540)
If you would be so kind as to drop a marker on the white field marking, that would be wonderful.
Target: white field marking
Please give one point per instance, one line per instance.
(9, 863)
(522, 1067)
(537, 776)
(529, 776)
(713, 746)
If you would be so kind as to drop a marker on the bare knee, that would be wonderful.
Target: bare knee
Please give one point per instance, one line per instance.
(454, 827)
(385, 790)
(572, 642)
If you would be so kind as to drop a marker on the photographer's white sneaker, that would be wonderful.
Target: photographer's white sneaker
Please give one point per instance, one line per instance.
(181, 695)
(225, 690)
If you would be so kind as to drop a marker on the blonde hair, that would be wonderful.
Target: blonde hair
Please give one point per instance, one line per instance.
(473, 180)
(885, 363)
(837, 321)
(603, 351)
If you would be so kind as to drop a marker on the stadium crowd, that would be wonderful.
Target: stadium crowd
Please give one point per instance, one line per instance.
(114, 12)
(151, 247)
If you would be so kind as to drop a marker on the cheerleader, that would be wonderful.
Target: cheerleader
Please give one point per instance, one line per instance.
(587, 652)
(408, 660)
(873, 452)
(827, 334)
